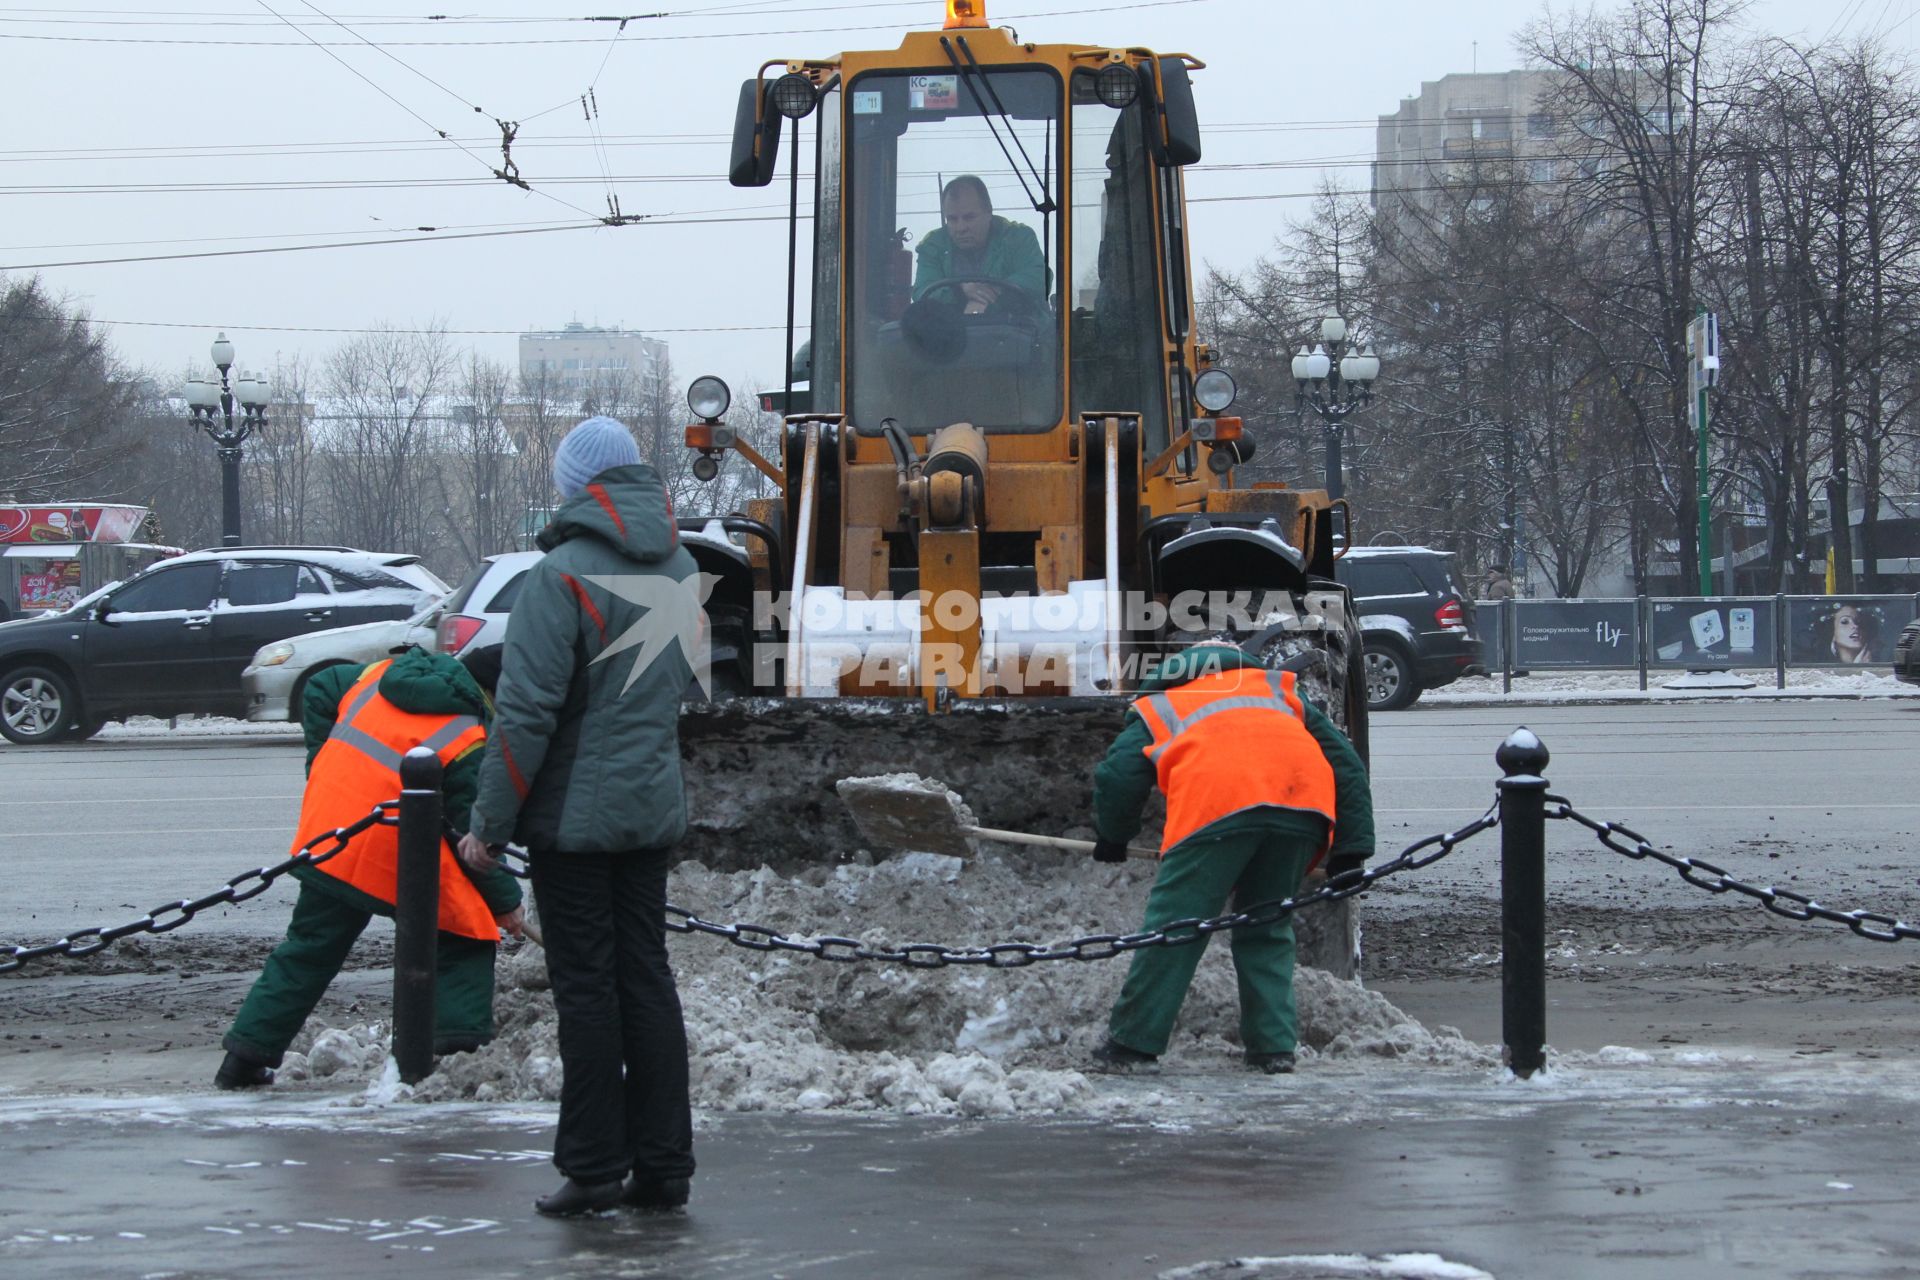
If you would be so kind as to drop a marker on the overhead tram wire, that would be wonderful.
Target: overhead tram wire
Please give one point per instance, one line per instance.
(459, 333)
(209, 18)
(1005, 19)
(506, 165)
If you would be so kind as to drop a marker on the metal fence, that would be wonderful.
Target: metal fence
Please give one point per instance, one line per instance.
(1693, 633)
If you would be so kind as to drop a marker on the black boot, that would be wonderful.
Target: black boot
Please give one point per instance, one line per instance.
(1115, 1058)
(237, 1072)
(575, 1198)
(1273, 1064)
(661, 1194)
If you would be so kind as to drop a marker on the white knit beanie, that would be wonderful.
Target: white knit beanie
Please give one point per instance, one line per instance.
(588, 449)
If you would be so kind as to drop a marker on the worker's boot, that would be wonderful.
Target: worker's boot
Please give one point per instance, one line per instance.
(1115, 1058)
(237, 1072)
(575, 1198)
(1273, 1064)
(658, 1195)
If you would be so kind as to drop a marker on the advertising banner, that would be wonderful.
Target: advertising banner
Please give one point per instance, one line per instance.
(48, 584)
(1574, 633)
(1715, 632)
(1839, 631)
(78, 522)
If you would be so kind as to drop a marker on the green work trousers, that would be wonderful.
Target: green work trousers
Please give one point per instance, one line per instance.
(323, 930)
(1196, 877)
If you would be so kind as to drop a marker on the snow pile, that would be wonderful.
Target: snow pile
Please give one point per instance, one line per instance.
(775, 1032)
(1624, 686)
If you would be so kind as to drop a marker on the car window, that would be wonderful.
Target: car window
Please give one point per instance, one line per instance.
(1369, 578)
(258, 584)
(367, 579)
(175, 588)
(503, 599)
(310, 583)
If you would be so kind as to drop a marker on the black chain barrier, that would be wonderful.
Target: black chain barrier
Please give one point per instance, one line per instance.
(1874, 925)
(171, 915)
(1098, 946)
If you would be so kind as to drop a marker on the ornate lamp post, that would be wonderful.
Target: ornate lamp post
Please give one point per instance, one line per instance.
(1333, 382)
(204, 398)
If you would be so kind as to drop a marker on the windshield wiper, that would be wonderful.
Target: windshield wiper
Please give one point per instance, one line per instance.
(970, 72)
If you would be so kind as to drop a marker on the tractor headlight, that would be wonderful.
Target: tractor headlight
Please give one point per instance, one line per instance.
(1215, 390)
(794, 96)
(708, 397)
(1117, 85)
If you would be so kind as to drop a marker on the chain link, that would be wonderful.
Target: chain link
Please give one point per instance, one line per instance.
(169, 916)
(1098, 946)
(1874, 925)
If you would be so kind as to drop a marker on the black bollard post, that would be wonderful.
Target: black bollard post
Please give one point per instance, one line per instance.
(1523, 901)
(416, 914)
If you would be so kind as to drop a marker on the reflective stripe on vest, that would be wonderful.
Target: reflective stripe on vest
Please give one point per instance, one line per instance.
(359, 766)
(1212, 764)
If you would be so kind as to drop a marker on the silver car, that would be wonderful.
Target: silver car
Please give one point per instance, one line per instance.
(277, 677)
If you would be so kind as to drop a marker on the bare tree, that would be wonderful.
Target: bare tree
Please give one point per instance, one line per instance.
(1648, 92)
(382, 427)
(478, 495)
(62, 393)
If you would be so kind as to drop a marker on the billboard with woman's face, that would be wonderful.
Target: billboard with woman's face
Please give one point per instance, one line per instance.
(1845, 630)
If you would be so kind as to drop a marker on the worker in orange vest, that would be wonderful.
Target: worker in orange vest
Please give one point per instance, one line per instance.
(359, 722)
(1260, 788)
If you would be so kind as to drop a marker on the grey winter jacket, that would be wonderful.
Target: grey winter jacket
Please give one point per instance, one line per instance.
(584, 752)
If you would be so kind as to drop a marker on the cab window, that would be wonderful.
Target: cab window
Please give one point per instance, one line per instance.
(953, 248)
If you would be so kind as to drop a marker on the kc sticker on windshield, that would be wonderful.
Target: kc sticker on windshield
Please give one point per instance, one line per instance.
(933, 93)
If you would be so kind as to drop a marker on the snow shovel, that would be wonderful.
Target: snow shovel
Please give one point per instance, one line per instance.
(904, 811)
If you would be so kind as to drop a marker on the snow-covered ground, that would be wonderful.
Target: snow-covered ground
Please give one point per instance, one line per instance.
(1624, 686)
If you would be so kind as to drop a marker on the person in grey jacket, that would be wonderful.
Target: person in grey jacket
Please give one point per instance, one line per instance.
(583, 769)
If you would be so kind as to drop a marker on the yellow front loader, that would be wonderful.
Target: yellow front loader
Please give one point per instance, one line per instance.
(1006, 473)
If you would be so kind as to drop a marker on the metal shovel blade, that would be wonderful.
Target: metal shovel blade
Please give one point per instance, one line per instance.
(902, 811)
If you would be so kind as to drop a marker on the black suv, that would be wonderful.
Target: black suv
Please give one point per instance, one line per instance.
(1416, 624)
(1906, 654)
(173, 640)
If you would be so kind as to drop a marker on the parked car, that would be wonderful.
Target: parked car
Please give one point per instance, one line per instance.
(1416, 623)
(174, 639)
(475, 615)
(1906, 654)
(277, 677)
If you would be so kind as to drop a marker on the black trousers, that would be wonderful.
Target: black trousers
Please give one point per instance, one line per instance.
(623, 1042)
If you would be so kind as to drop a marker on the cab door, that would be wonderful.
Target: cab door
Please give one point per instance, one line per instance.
(149, 645)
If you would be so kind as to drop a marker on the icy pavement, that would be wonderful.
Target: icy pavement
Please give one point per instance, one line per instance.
(1622, 1164)
(1624, 686)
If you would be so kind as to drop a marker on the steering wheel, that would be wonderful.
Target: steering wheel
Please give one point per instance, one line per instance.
(1024, 302)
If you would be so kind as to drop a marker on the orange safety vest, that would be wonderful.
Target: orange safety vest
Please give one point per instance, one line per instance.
(358, 767)
(1231, 741)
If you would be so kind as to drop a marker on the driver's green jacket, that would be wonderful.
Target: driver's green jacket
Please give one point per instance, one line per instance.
(1013, 254)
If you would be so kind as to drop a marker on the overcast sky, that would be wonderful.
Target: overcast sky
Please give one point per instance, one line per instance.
(148, 129)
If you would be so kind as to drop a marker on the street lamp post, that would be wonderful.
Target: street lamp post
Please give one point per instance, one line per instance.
(1333, 382)
(204, 397)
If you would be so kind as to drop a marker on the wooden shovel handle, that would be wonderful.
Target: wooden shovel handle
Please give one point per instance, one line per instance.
(1051, 842)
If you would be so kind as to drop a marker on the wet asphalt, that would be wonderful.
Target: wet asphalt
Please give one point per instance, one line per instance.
(1725, 1174)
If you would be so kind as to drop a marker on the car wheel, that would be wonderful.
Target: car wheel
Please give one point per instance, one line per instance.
(36, 706)
(1391, 683)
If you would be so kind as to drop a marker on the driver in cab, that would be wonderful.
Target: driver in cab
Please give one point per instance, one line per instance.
(973, 246)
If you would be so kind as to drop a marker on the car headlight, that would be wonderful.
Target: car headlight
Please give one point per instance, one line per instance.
(1215, 390)
(273, 655)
